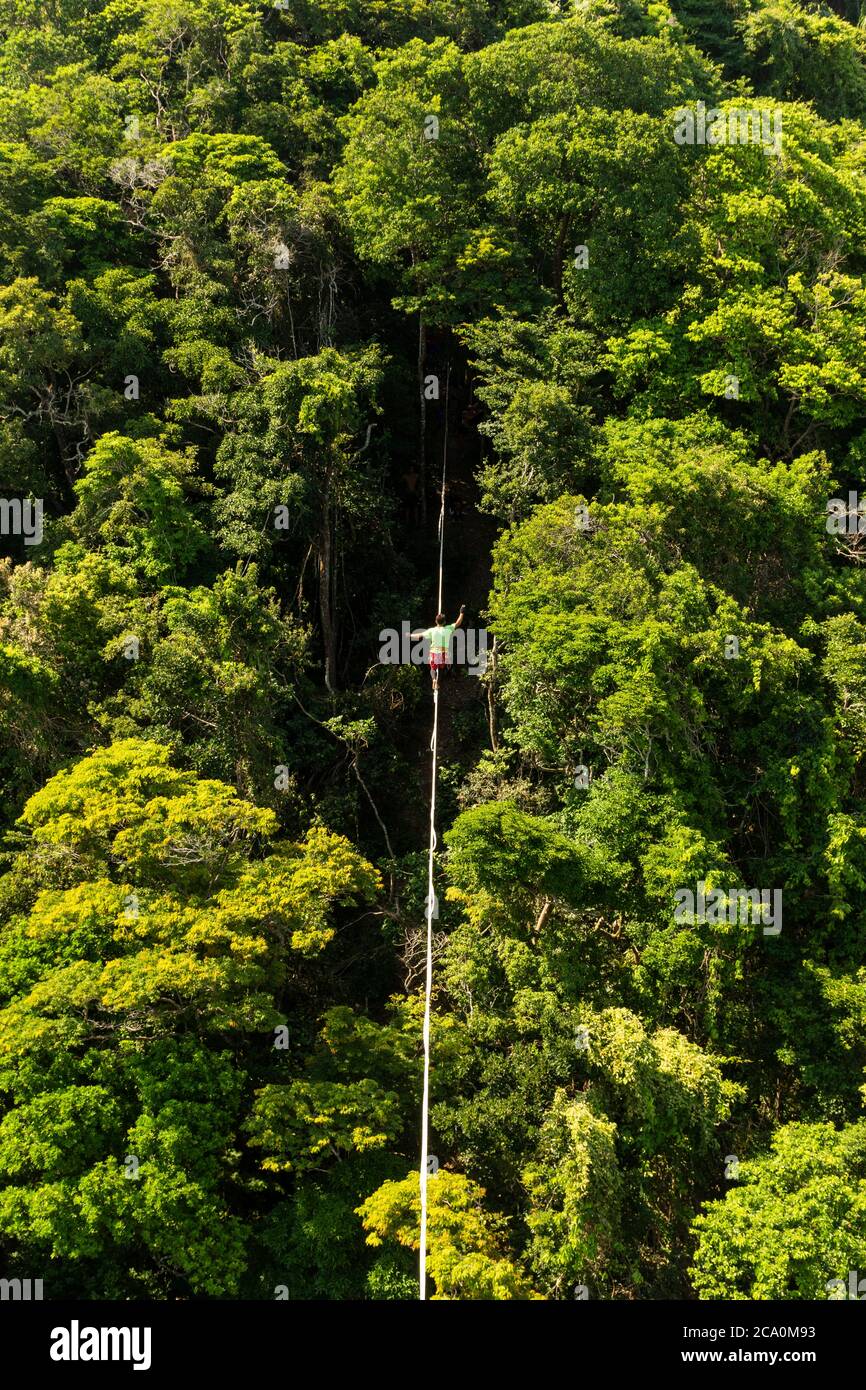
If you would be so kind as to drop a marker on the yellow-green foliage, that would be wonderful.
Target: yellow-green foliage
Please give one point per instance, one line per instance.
(467, 1253)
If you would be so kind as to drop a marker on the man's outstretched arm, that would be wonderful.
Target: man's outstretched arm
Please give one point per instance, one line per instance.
(462, 615)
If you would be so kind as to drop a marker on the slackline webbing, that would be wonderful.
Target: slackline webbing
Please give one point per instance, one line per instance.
(431, 900)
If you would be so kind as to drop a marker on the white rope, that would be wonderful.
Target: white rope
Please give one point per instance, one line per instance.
(428, 982)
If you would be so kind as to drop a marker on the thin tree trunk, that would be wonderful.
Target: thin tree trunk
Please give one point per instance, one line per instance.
(422, 438)
(382, 826)
(559, 260)
(542, 916)
(491, 700)
(326, 601)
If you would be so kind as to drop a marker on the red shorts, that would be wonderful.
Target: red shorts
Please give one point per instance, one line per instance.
(438, 660)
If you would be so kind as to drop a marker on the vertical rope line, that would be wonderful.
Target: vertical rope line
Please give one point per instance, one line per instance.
(428, 981)
(442, 490)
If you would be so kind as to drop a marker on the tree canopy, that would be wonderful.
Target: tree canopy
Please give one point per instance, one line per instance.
(266, 267)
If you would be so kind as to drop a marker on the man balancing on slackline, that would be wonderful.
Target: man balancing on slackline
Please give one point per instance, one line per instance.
(439, 638)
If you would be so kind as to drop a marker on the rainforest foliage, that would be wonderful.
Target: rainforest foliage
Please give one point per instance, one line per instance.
(239, 241)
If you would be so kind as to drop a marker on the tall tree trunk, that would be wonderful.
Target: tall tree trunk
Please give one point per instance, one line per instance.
(326, 600)
(491, 700)
(422, 437)
(559, 259)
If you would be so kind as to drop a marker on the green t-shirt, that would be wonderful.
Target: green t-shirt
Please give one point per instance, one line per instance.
(439, 637)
